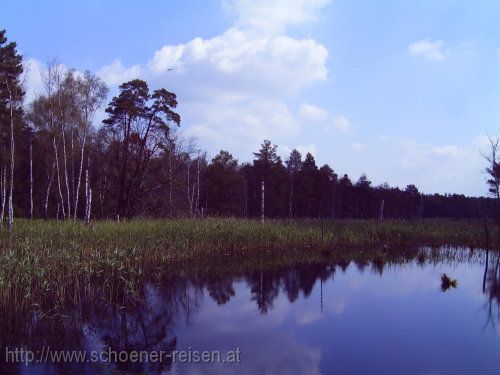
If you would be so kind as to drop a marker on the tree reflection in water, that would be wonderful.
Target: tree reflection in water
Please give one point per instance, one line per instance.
(265, 286)
(491, 287)
(151, 323)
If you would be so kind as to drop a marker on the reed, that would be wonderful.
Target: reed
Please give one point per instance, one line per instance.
(46, 264)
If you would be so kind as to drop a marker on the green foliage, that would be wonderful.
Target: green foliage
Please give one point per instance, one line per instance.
(138, 126)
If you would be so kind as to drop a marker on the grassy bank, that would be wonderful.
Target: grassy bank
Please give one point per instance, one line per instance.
(53, 263)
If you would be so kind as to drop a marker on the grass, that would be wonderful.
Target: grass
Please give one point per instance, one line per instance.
(47, 264)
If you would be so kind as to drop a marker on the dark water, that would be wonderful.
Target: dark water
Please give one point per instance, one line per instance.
(332, 318)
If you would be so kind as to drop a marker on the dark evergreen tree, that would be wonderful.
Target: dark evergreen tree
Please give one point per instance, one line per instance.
(293, 166)
(224, 186)
(138, 127)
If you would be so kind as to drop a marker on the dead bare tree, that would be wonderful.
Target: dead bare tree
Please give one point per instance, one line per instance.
(493, 170)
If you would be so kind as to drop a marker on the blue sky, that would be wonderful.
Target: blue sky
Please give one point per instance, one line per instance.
(402, 90)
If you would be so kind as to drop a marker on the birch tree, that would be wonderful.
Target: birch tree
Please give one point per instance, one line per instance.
(91, 93)
(493, 168)
(48, 105)
(11, 97)
(64, 96)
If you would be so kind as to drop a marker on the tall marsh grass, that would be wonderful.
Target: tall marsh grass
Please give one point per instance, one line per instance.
(46, 264)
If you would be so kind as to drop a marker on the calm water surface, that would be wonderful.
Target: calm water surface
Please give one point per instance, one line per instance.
(335, 318)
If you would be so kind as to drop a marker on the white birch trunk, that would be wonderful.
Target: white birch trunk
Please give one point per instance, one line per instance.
(80, 171)
(65, 170)
(86, 194)
(31, 179)
(3, 183)
(47, 192)
(72, 170)
(170, 203)
(262, 203)
(65, 159)
(190, 202)
(197, 187)
(89, 211)
(10, 219)
(88, 197)
(61, 199)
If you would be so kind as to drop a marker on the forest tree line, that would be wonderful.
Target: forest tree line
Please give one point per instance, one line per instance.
(57, 162)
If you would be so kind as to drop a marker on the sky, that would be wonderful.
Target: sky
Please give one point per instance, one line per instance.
(404, 91)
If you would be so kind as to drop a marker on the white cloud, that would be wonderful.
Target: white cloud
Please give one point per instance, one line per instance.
(242, 125)
(307, 317)
(339, 305)
(33, 80)
(429, 50)
(308, 149)
(340, 123)
(276, 15)
(303, 149)
(243, 61)
(34, 72)
(311, 112)
(459, 167)
(400, 161)
(235, 89)
(115, 73)
(417, 155)
(359, 146)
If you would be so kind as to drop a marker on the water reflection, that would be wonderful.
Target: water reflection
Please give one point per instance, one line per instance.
(491, 287)
(309, 318)
(448, 283)
(265, 285)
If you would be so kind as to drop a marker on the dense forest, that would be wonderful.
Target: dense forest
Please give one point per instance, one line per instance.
(57, 162)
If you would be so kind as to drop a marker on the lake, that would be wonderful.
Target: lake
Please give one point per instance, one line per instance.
(335, 317)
